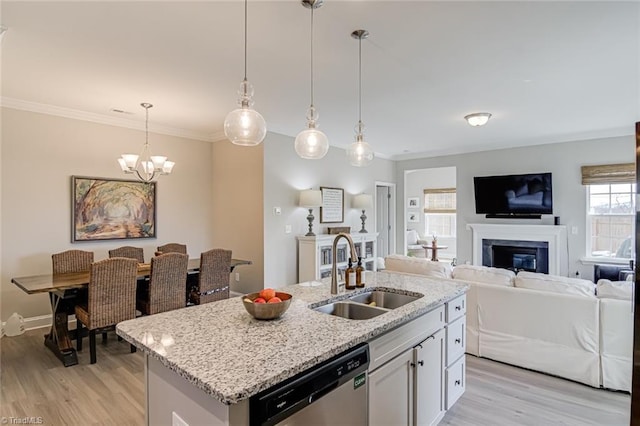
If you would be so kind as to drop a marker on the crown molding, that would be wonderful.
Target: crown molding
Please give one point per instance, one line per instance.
(102, 119)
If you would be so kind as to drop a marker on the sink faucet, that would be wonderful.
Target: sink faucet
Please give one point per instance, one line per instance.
(334, 267)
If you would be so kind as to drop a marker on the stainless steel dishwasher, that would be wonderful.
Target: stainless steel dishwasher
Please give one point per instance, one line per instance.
(331, 393)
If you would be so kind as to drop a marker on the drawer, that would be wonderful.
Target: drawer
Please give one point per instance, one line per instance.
(396, 341)
(456, 340)
(456, 307)
(455, 382)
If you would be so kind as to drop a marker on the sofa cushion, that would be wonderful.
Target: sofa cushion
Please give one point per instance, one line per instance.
(484, 274)
(555, 284)
(420, 266)
(607, 289)
(412, 237)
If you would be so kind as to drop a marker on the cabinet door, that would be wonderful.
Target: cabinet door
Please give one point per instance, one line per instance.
(429, 381)
(391, 392)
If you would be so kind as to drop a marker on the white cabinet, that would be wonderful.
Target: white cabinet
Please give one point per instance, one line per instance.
(417, 370)
(315, 255)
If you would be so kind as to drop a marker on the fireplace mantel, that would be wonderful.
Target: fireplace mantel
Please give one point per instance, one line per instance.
(554, 235)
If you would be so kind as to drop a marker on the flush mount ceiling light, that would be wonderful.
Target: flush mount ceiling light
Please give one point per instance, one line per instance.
(311, 143)
(360, 153)
(245, 126)
(478, 118)
(145, 165)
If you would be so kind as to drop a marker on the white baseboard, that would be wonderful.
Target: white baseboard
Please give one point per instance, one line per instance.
(40, 321)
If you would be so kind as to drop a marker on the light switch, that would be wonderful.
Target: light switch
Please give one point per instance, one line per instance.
(574, 230)
(277, 211)
(287, 229)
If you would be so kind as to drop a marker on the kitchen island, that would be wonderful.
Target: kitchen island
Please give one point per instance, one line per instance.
(213, 357)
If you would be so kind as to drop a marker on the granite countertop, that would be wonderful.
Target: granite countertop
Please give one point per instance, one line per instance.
(224, 351)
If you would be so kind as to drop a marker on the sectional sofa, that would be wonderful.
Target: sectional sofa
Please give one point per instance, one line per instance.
(567, 327)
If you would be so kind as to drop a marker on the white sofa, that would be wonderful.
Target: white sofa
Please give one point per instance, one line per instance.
(551, 324)
(415, 243)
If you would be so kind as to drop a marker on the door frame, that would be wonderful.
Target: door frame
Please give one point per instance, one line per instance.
(391, 205)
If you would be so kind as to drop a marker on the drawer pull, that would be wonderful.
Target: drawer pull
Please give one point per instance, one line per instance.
(458, 340)
(457, 382)
(458, 308)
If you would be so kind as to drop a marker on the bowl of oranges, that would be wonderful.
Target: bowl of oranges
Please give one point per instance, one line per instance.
(267, 304)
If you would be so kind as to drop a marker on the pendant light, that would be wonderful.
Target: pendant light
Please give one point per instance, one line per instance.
(245, 126)
(145, 166)
(360, 153)
(311, 143)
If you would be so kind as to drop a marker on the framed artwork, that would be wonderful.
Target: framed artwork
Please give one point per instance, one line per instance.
(332, 209)
(413, 202)
(112, 209)
(413, 217)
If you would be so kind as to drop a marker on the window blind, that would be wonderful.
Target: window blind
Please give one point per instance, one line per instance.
(440, 200)
(609, 173)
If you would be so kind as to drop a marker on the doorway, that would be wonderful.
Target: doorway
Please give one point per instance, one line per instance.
(385, 200)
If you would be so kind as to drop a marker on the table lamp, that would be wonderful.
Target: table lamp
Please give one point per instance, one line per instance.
(310, 198)
(363, 202)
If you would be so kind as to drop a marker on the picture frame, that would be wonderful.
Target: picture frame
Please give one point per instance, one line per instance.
(332, 209)
(413, 202)
(413, 217)
(112, 209)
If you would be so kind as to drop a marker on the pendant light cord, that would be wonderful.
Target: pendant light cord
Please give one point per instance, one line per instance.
(360, 79)
(146, 126)
(311, 56)
(245, 40)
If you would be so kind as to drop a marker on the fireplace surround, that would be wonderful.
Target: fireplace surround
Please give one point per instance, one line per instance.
(518, 237)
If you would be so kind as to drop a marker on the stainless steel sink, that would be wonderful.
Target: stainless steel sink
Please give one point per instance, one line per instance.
(383, 299)
(350, 310)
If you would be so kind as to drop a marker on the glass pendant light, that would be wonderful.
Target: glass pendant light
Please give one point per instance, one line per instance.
(245, 126)
(311, 143)
(360, 153)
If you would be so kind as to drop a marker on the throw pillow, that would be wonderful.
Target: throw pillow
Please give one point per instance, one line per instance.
(416, 265)
(555, 284)
(484, 274)
(412, 237)
(607, 289)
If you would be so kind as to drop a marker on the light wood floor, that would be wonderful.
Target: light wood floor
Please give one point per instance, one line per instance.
(34, 383)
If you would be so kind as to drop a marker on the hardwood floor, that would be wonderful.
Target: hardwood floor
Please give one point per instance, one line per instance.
(33, 383)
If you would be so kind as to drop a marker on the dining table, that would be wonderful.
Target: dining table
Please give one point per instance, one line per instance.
(63, 289)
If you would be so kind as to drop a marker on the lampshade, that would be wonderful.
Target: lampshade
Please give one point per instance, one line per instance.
(478, 118)
(362, 201)
(310, 198)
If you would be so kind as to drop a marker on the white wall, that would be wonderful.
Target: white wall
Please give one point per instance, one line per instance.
(562, 160)
(285, 174)
(41, 152)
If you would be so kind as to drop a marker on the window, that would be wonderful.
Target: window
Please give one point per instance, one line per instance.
(440, 212)
(610, 219)
(611, 210)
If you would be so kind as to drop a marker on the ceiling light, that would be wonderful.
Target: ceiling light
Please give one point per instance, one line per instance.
(360, 153)
(311, 143)
(145, 165)
(478, 118)
(245, 126)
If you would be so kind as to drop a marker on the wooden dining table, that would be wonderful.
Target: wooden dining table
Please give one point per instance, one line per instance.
(63, 288)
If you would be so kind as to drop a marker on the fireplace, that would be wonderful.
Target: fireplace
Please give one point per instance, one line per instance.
(521, 247)
(532, 256)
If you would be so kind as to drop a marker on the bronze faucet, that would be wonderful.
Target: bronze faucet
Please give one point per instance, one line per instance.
(334, 267)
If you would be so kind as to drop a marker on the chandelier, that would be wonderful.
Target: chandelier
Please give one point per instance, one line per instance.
(145, 165)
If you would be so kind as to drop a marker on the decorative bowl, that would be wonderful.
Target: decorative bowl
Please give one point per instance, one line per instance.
(266, 311)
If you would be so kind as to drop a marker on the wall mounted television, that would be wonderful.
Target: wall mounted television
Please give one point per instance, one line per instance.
(514, 196)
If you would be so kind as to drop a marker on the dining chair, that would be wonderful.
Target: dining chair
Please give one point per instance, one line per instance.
(129, 252)
(111, 299)
(213, 279)
(71, 261)
(173, 248)
(166, 287)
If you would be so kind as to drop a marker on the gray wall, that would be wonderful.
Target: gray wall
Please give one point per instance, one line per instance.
(563, 160)
(285, 174)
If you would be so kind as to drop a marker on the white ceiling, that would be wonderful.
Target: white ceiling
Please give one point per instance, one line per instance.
(547, 71)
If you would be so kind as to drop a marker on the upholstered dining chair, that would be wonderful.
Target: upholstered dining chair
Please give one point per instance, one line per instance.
(165, 290)
(173, 248)
(111, 299)
(71, 261)
(129, 252)
(213, 280)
